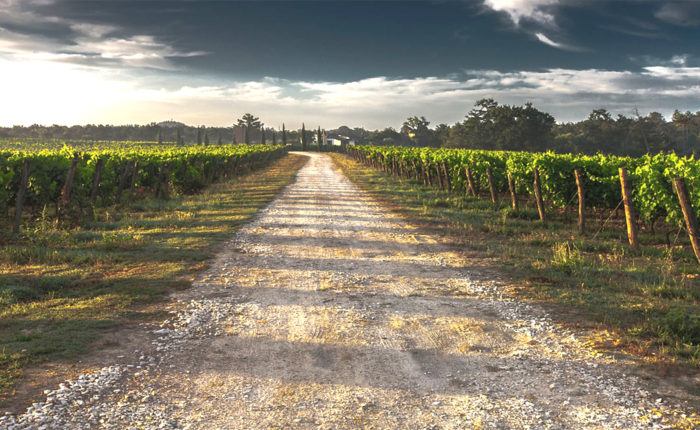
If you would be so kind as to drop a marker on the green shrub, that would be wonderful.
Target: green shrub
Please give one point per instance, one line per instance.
(681, 324)
(11, 294)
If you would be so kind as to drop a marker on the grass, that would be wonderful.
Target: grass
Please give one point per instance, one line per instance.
(62, 289)
(648, 299)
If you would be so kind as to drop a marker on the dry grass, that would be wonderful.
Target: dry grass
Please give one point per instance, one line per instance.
(648, 300)
(62, 290)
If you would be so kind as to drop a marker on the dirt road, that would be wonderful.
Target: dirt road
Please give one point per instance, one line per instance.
(329, 312)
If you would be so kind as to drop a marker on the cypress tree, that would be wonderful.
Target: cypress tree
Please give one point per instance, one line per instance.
(199, 136)
(303, 137)
(284, 135)
(318, 138)
(206, 138)
(262, 135)
(274, 138)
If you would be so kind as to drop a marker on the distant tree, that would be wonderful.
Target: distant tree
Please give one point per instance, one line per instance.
(441, 133)
(284, 135)
(318, 138)
(303, 137)
(599, 130)
(274, 137)
(503, 127)
(684, 122)
(655, 134)
(218, 140)
(159, 137)
(248, 122)
(389, 136)
(358, 134)
(262, 135)
(178, 137)
(199, 135)
(206, 138)
(417, 130)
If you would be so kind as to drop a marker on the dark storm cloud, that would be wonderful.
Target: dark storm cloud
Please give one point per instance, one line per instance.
(346, 40)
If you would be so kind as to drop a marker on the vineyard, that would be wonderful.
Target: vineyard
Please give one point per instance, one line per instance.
(549, 177)
(71, 180)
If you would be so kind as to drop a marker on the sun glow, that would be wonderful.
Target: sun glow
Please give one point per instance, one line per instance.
(49, 92)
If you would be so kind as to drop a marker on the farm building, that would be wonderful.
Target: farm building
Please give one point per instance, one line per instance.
(339, 140)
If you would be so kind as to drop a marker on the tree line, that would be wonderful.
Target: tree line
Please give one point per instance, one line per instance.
(247, 129)
(489, 125)
(493, 126)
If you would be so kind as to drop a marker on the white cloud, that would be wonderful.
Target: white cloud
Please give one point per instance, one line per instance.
(136, 51)
(547, 41)
(78, 93)
(93, 30)
(538, 13)
(535, 10)
(682, 74)
(685, 14)
(679, 60)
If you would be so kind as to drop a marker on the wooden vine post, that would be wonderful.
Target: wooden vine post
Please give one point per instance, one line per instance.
(94, 191)
(21, 194)
(96, 181)
(439, 176)
(210, 170)
(68, 185)
(227, 167)
(581, 202)
(513, 196)
(134, 177)
(236, 166)
(470, 181)
(447, 177)
(691, 221)
(163, 180)
(160, 181)
(538, 195)
(492, 188)
(124, 178)
(630, 217)
(415, 170)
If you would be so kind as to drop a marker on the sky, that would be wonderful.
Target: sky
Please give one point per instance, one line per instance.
(328, 63)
